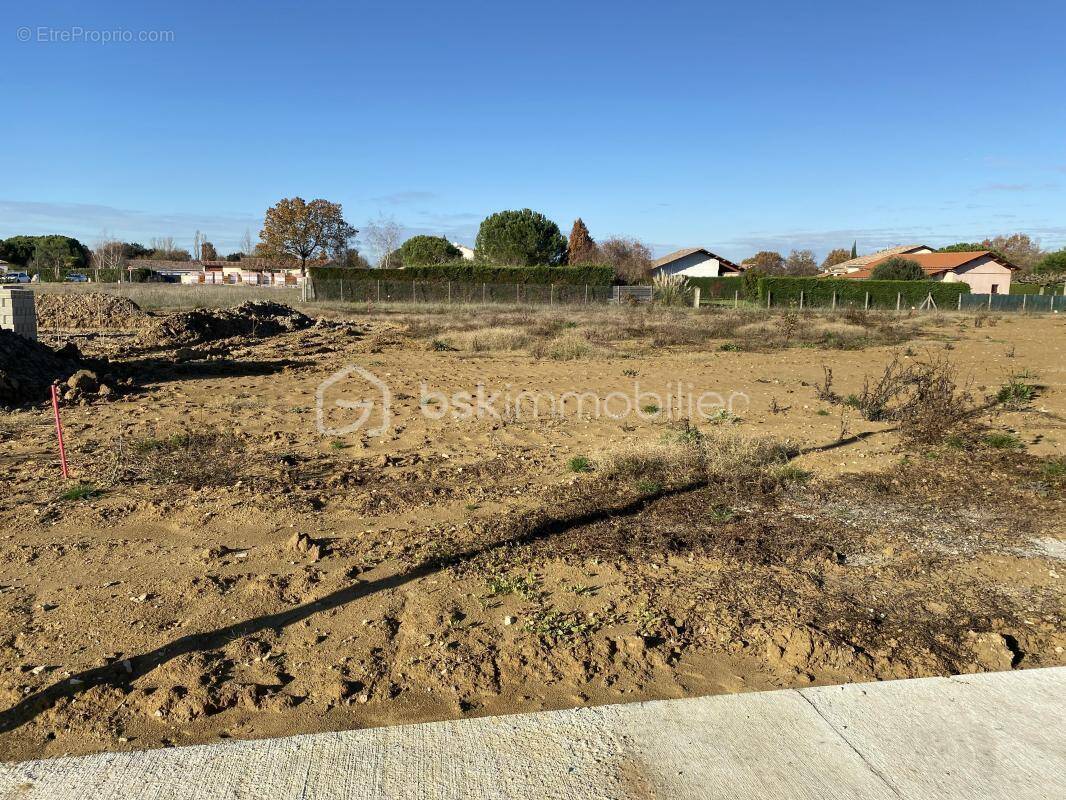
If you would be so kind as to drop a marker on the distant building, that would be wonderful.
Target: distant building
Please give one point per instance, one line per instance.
(246, 272)
(694, 262)
(982, 270)
(468, 253)
(856, 264)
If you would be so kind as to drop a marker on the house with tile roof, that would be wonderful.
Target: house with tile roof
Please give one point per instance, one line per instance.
(694, 262)
(984, 271)
(856, 264)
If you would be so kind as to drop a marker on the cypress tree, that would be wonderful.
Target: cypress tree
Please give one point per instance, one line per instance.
(854, 249)
(581, 249)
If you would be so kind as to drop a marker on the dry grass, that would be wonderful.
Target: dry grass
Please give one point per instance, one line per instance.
(487, 340)
(190, 459)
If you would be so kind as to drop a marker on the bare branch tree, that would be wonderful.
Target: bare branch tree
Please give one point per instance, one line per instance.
(383, 236)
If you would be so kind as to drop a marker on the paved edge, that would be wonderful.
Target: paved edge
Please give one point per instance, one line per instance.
(989, 735)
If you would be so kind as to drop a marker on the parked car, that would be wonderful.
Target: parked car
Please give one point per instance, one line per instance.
(76, 277)
(14, 277)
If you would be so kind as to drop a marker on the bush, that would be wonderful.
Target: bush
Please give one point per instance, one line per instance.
(672, 290)
(819, 292)
(898, 269)
(465, 272)
(520, 238)
(422, 251)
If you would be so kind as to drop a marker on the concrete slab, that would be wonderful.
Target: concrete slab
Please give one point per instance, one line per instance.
(970, 737)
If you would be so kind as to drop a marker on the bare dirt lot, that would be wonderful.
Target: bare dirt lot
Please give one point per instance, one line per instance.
(220, 568)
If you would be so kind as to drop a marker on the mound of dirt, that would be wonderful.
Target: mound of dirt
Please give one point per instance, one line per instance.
(93, 310)
(27, 368)
(257, 319)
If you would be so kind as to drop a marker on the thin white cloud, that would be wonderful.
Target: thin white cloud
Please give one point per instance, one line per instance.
(404, 198)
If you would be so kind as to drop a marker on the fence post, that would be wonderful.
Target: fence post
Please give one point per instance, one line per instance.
(1052, 304)
(586, 294)
(696, 297)
(990, 301)
(484, 292)
(960, 301)
(769, 295)
(899, 300)
(834, 300)
(517, 295)
(736, 299)
(1024, 298)
(866, 304)
(801, 299)
(551, 294)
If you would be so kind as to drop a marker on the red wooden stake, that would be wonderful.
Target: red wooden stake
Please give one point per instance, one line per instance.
(59, 432)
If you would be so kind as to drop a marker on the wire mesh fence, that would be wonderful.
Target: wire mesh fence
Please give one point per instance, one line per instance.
(379, 291)
(1036, 303)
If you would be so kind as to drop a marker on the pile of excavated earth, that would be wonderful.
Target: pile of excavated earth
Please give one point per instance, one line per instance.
(91, 311)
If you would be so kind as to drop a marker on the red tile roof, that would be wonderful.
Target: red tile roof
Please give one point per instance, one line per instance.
(934, 263)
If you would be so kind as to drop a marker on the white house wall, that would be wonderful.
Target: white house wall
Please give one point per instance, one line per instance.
(694, 265)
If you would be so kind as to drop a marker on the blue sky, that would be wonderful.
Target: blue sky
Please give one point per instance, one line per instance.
(733, 126)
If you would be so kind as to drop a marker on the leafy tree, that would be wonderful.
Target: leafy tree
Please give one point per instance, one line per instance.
(520, 238)
(800, 262)
(426, 251)
(1052, 263)
(301, 230)
(854, 248)
(768, 262)
(131, 250)
(208, 252)
(54, 254)
(834, 257)
(1017, 248)
(22, 250)
(234, 256)
(898, 268)
(630, 258)
(581, 249)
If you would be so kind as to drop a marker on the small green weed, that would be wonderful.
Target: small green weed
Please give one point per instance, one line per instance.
(81, 491)
(579, 464)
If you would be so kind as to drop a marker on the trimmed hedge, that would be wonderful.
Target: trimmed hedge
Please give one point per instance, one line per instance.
(465, 272)
(1034, 288)
(714, 288)
(883, 294)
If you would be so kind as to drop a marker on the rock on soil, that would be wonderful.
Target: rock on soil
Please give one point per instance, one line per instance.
(92, 310)
(255, 319)
(28, 368)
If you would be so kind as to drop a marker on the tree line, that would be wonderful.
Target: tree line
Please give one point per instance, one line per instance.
(303, 232)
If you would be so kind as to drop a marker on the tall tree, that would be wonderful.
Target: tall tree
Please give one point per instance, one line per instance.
(383, 235)
(208, 251)
(520, 238)
(580, 248)
(855, 248)
(799, 263)
(834, 257)
(301, 230)
(769, 262)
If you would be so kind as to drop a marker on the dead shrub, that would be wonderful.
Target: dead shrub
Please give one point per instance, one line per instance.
(192, 459)
(924, 397)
